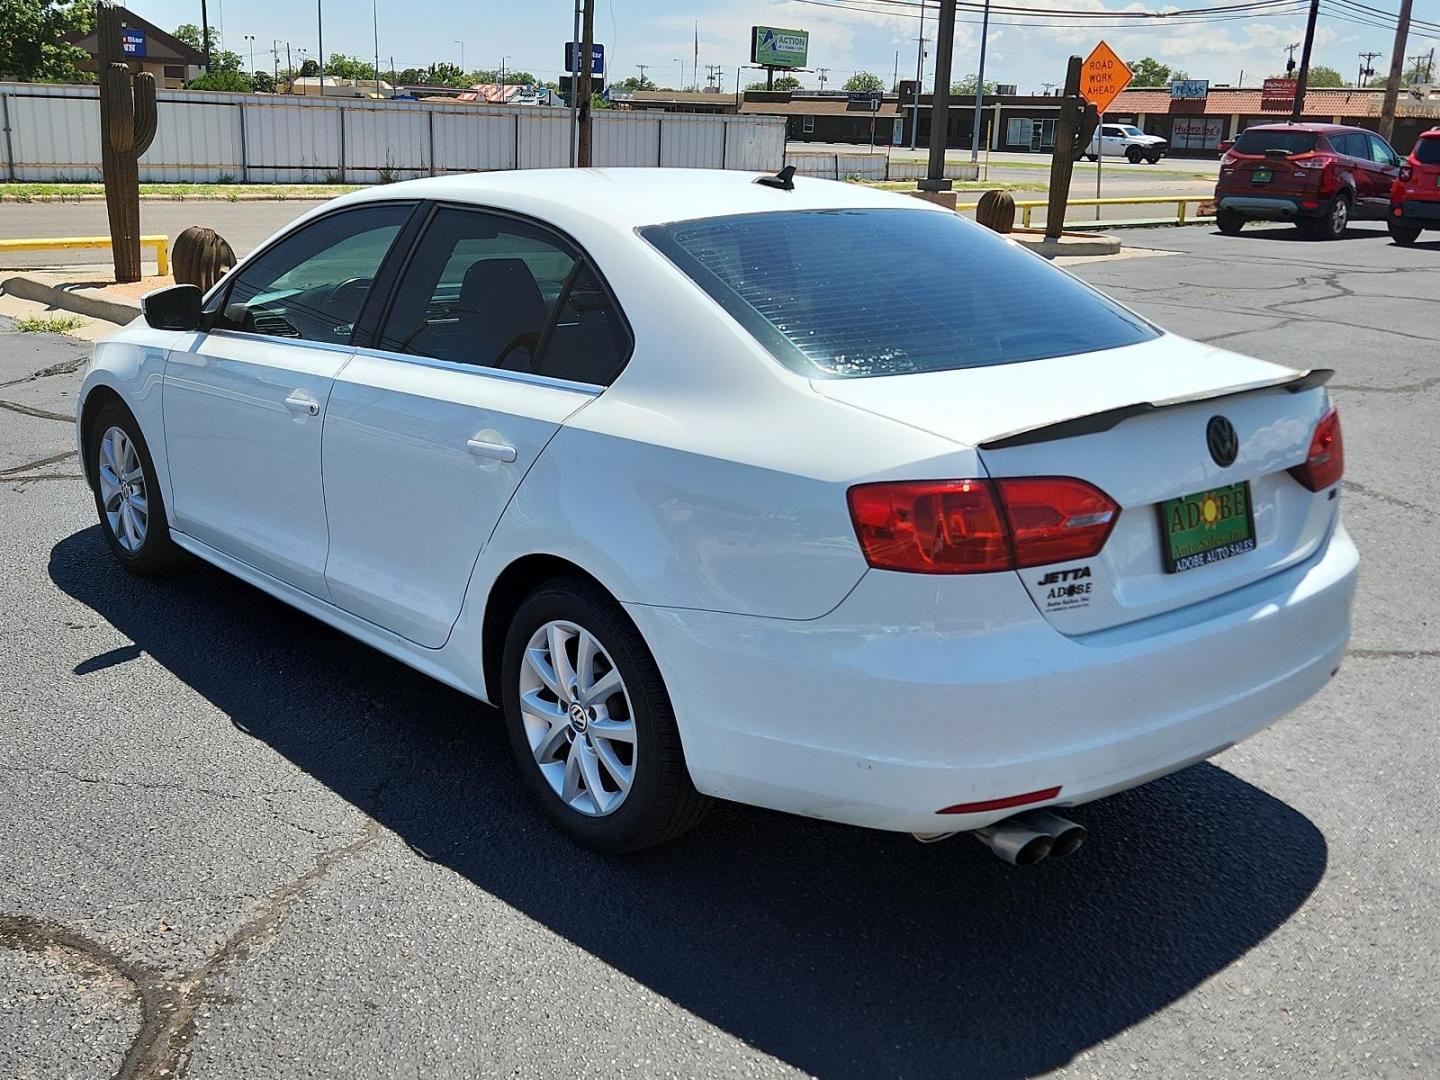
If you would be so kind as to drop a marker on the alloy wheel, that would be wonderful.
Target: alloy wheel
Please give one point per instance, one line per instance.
(578, 718)
(1339, 216)
(122, 489)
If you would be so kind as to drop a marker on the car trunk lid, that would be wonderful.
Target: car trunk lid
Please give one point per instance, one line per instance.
(1133, 422)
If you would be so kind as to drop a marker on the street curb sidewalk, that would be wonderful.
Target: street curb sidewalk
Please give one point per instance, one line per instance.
(119, 312)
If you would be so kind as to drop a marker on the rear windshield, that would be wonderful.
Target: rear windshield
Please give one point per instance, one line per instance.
(854, 293)
(1258, 140)
(1427, 151)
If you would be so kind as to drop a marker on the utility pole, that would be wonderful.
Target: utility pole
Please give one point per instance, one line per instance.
(1046, 87)
(895, 81)
(1397, 65)
(979, 88)
(574, 86)
(275, 55)
(1290, 61)
(205, 34)
(290, 67)
(940, 100)
(822, 76)
(641, 68)
(1366, 71)
(714, 73)
(320, 29)
(1298, 106)
(587, 46)
(375, 27)
(919, 76)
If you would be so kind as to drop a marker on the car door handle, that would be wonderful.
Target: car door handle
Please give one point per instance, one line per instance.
(300, 401)
(495, 451)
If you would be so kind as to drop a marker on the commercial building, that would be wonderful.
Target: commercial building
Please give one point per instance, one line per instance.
(147, 48)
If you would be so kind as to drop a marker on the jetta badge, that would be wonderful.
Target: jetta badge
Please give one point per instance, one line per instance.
(1223, 442)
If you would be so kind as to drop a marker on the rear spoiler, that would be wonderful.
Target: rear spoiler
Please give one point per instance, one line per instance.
(1093, 423)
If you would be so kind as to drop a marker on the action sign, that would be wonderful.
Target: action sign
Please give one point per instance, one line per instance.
(772, 47)
(1103, 77)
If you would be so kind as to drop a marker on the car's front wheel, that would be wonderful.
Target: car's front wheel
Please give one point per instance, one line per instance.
(127, 496)
(1153, 159)
(1133, 155)
(591, 724)
(1230, 222)
(1403, 234)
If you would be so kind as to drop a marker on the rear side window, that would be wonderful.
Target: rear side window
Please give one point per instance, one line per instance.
(1427, 151)
(1259, 140)
(853, 293)
(495, 291)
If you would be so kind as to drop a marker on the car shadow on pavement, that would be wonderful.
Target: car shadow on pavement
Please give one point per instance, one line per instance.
(1357, 231)
(844, 952)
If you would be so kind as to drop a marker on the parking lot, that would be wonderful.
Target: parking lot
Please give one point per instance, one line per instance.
(238, 844)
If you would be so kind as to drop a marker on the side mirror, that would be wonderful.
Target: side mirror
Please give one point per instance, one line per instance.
(173, 308)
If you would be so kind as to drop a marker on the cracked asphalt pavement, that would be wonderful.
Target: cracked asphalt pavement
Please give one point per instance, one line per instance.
(234, 843)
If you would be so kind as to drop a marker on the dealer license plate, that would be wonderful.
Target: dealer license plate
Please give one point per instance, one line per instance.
(1262, 176)
(1207, 527)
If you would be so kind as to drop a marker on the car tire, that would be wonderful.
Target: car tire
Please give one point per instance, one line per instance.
(128, 500)
(1153, 159)
(1404, 235)
(1332, 225)
(1092, 157)
(611, 793)
(1133, 155)
(1229, 222)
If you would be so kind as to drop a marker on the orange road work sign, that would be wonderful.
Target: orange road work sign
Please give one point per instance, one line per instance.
(1103, 77)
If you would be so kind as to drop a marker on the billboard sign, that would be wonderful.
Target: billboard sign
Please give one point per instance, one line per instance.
(1189, 89)
(132, 42)
(868, 100)
(1103, 77)
(772, 47)
(597, 58)
(1278, 88)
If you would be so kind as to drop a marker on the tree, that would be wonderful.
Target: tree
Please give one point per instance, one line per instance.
(32, 46)
(226, 81)
(262, 82)
(1150, 72)
(635, 82)
(445, 75)
(492, 75)
(782, 82)
(865, 81)
(1324, 78)
(966, 86)
(350, 67)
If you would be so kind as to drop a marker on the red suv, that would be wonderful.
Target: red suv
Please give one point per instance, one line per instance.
(1415, 195)
(1319, 176)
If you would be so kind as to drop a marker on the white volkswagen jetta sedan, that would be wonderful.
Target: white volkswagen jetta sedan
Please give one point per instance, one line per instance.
(795, 494)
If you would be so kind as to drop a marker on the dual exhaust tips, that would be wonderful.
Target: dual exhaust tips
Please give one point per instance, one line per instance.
(1027, 838)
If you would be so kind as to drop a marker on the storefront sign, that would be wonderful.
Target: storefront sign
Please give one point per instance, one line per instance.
(1189, 89)
(1278, 88)
(132, 42)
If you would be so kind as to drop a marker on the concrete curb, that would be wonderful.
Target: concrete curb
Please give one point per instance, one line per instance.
(1068, 244)
(119, 312)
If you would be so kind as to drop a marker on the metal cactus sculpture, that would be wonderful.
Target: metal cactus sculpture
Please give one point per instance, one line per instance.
(201, 257)
(127, 127)
(1073, 130)
(996, 211)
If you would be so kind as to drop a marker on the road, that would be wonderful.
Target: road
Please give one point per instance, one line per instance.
(238, 845)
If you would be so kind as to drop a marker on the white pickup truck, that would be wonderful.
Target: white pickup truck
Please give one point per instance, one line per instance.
(1127, 141)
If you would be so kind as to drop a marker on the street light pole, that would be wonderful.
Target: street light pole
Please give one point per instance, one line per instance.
(320, 29)
(979, 87)
(462, 56)
(251, 38)
(919, 76)
(940, 100)
(375, 28)
(1397, 68)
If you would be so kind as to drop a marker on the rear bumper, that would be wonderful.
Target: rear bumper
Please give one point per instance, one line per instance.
(1423, 213)
(874, 718)
(1272, 207)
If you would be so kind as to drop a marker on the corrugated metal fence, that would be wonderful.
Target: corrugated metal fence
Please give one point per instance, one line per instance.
(53, 133)
(862, 165)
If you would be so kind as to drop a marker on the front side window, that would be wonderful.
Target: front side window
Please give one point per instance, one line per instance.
(313, 283)
(494, 291)
(850, 293)
(1380, 151)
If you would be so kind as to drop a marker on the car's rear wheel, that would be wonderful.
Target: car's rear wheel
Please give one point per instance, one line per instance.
(1133, 155)
(127, 495)
(1092, 157)
(591, 724)
(1404, 234)
(1332, 225)
(1229, 222)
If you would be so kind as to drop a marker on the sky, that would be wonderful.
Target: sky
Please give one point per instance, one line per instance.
(529, 35)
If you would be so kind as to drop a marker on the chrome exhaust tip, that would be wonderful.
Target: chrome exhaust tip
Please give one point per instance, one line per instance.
(1065, 835)
(1015, 842)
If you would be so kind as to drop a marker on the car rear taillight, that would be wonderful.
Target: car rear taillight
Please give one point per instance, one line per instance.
(1325, 462)
(1310, 162)
(980, 526)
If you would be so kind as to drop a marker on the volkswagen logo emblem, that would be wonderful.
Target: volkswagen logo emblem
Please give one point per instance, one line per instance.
(579, 719)
(1223, 442)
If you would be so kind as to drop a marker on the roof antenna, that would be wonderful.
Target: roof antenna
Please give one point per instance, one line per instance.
(784, 179)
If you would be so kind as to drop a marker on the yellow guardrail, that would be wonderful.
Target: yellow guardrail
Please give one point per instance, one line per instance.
(1180, 202)
(161, 244)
